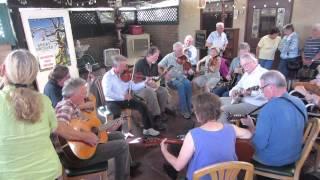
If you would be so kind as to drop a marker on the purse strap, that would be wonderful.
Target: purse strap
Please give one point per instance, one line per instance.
(301, 112)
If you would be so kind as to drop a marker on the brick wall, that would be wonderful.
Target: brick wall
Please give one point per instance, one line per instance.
(162, 36)
(98, 44)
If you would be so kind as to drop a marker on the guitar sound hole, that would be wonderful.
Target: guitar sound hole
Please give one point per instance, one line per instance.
(95, 130)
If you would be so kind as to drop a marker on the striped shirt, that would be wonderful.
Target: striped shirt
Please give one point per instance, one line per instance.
(66, 110)
(311, 48)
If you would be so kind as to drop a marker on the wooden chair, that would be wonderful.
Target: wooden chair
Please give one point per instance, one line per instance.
(95, 172)
(292, 172)
(225, 170)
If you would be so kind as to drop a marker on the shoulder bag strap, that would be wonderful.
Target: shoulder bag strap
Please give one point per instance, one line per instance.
(288, 100)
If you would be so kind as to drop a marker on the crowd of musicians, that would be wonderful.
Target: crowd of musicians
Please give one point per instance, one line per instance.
(207, 89)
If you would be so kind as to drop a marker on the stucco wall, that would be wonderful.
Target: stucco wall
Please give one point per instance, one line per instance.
(240, 21)
(189, 18)
(305, 14)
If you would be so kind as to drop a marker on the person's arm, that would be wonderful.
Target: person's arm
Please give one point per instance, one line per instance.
(185, 154)
(163, 64)
(242, 133)
(226, 42)
(209, 40)
(70, 134)
(263, 129)
(107, 83)
(199, 64)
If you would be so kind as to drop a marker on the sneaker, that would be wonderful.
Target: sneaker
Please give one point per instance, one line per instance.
(150, 132)
(186, 115)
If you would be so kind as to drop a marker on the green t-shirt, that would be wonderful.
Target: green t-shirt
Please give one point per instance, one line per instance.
(26, 151)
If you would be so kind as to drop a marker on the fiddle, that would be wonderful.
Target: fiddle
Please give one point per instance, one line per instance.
(183, 60)
(128, 75)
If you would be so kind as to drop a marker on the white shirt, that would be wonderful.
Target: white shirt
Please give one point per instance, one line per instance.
(192, 53)
(249, 80)
(218, 40)
(114, 88)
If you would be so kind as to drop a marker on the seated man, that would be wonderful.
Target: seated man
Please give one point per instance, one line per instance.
(278, 135)
(74, 92)
(246, 90)
(156, 98)
(53, 88)
(190, 51)
(118, 93)
(176, 79)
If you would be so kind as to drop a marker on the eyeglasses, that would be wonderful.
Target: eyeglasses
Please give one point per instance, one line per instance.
(246, 64)
(262, 88)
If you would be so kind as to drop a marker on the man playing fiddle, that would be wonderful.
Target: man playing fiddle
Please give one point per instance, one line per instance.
(176, 78)
(118, 94)
(156, 98)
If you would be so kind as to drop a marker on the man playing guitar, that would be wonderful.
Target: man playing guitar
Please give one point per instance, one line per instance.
(156, 97)
(74, 93)
(252, 99)
(176, 79)
(118, 95)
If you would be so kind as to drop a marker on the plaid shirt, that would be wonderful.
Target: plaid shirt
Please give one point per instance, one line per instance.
(66, 110)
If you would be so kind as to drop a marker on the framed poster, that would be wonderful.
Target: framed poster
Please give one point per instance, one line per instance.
(200, 39)
(49, 38)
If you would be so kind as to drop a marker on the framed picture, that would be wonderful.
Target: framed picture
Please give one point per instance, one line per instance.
(49, 38)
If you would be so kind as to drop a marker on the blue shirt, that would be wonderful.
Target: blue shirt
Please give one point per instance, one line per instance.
(211, 147)
(53, 91)
(279, 131)
(289, 46)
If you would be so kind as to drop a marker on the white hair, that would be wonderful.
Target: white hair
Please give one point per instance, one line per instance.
(188, 37)
(247, 57)
(316, 27)
(177, 45)
(220, 24)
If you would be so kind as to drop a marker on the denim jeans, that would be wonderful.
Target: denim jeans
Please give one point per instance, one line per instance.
(183, 86)
(266, 63)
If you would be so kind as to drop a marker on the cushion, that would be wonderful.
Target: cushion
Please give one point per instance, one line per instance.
(287, 170)
(87, 170)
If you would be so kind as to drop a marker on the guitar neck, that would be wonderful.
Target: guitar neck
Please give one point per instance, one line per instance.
(156, 141)
(111, 123)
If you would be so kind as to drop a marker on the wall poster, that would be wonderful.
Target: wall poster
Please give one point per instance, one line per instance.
(49, 38)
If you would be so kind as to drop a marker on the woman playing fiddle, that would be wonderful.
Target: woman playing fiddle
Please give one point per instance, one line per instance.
(211, 75)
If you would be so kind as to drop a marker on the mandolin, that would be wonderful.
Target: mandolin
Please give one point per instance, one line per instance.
(239, 94)
(244, 148)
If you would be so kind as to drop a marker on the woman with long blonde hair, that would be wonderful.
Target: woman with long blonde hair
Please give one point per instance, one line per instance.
(26, 121)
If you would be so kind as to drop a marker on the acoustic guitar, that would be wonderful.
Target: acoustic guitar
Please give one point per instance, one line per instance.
(239, 94)
(87, 123)
(244, 148)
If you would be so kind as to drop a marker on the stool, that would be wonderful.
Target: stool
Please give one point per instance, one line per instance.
(93, 172)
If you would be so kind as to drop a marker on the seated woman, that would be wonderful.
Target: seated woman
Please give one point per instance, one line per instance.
(211, 143)
(211, 75)
(26, 121)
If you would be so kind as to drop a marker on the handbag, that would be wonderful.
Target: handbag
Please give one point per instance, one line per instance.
(294, 65)
(306, 73)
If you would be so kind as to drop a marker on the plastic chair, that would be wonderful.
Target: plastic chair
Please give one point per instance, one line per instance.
(225, 170)
(292, 171)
